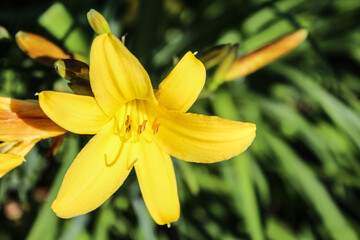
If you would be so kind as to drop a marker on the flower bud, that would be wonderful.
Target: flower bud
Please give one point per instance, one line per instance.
(265, 55)
(98, 22)
(77, 73)
(40, 48)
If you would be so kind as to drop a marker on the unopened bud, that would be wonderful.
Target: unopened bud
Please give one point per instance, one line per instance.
(80, 87)
(214, 56)
(70, 69)
(77, 73)
(265, 55)
(98, 22)
(223, 68)
(40, 48)
(4, 34)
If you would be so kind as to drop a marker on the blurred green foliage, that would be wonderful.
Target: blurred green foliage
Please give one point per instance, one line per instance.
(300, 179)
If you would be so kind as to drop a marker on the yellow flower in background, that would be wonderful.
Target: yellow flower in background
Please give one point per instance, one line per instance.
(22, 125)
(137, 126)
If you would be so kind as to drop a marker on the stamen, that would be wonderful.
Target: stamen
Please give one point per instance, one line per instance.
(156, 128)
(155, 123)
(143, 125)
(128, 121)
(117, 129)
(168, 225)
(128, 128)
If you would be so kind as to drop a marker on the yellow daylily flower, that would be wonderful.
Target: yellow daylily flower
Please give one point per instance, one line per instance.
(138, 127)
(22, 125)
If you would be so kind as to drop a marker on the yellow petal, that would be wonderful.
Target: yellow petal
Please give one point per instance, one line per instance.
(8, 162)
(21, 147)
(13, 108)
(199, 138)
(24, 128)
(96, 173)
(76, 113)
(265, 55)
(155, 173)
(179, 90)
(21, 120)
(116, 76)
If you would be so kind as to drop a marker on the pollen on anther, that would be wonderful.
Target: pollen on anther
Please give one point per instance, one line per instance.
(128, 128)
(156, 129)
(143, 125)
(128, 121)
(155, 123)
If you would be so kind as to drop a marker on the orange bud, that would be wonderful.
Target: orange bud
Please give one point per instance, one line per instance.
(40, 48)
(265, 55)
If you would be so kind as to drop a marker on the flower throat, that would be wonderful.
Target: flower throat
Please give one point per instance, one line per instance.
(133, 122)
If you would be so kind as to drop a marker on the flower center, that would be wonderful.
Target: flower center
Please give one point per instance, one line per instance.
(133, 122)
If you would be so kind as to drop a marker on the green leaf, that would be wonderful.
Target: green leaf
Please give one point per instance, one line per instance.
(306, 183)
(57, 20)
(241, 184)
(279, 231)
(46, 222)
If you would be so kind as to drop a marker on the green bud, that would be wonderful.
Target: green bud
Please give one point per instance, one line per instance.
(80, 87)
(77, 73)
(98, 22)
(214, 56)
(222, 69)
(72, 69)
(4, 34)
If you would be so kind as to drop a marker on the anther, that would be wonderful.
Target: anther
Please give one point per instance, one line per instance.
(155, 123)
(168, 225)
(156, 128)
(128, 121)
(143, 125)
